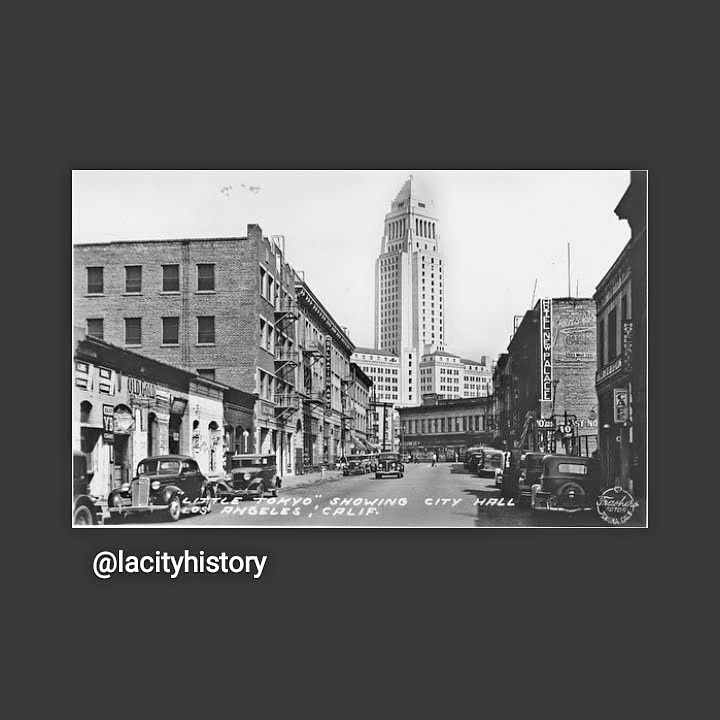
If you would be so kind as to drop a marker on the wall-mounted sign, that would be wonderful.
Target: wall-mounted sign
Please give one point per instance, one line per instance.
(141, 388)
(328, 373)
(546, 349)
(621, 410)
(627, 343)
(108, 424)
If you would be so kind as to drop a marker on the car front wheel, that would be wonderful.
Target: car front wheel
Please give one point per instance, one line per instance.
(83, 516)
(174, 509)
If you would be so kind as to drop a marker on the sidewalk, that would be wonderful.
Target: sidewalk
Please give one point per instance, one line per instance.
(290, 482)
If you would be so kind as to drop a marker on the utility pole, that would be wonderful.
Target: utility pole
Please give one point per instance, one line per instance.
(569, 289)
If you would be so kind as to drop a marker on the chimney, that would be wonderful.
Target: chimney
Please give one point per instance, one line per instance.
(254, 233)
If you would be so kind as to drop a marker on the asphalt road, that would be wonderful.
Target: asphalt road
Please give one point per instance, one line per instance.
(444, 496)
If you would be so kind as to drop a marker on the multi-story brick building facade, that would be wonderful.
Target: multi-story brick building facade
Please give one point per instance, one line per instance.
(551, 361)
(621, 308)
(223, 308)
(325, 350)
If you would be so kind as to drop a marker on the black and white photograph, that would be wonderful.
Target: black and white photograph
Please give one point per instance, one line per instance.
(359, 348)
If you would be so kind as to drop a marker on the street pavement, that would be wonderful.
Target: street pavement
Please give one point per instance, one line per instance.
(446, 495)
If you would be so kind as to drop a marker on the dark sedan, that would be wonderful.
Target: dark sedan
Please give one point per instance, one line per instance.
(389, 464)
(250, 476)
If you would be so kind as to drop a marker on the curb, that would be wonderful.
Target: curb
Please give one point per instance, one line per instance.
(333, 475)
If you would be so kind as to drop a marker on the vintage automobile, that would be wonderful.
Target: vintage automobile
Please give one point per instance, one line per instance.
(474, 460)
(469, 453)
(566, 484)
(491, 464)
(356, 465)
(250, 476)
(86, 508)
(389, 464)
(530, 471)
(171, 484)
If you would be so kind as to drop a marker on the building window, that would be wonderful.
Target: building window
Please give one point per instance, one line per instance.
(171, 278)
(206, 330)
(612, 334)
(623, 311)
(95, 284)
(133, 331)
(206, 276)
(133, 278)
(601, 342)
(208, 374)
(170, 330)
(95, 327)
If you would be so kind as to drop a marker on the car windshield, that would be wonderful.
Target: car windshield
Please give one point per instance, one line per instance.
(251, 462)
(159, 467)
(389, 456)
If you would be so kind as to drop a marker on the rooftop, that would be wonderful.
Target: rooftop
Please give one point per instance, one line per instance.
(373, 351)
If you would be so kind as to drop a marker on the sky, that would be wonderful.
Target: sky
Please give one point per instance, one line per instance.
(500, 232)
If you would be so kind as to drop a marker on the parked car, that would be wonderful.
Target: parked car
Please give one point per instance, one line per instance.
(530, 471)
(172, 484)
(250, 476)
(356, 465)
(389, 464)
(492, 464)
(566, 484)
(468, 454)
(86, 507)
(474, 460)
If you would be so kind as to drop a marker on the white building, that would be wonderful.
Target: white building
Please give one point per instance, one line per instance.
(453, 377)
(383, 368)
(409, 292)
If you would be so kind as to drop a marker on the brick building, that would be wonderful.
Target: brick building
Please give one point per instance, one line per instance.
(446, 427)
(127, 407)
(551, 377)
(358, 411)
(621, 308)
(325, 351)
(222, 308)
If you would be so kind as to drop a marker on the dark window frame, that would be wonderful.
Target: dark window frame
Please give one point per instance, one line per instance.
(101, 334)
(204, 278)
(136, 286)
(139, 327)
(92, 289)
(206, 330)
(166, 280)
(163, 339)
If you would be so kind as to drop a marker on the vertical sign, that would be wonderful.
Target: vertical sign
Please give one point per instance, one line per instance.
(546, 349)
(108, 423)
(620, 405)
(328, 373)
(627, 344)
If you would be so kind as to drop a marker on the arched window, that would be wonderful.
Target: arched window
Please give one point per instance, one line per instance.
(85, 410)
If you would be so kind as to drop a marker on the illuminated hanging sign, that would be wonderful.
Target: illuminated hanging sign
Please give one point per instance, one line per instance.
(546, 349)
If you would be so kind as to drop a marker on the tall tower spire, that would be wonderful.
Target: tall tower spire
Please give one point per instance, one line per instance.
(409, 292)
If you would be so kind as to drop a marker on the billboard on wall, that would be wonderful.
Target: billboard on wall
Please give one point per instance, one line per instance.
(546, 349)
(575, 332)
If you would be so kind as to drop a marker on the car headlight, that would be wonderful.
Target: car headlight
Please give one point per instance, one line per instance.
(125, 487)
(247, 476)
(155, 485)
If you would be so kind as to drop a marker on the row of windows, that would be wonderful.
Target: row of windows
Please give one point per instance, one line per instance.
(468, 423)
(170, 330)
(205, 278)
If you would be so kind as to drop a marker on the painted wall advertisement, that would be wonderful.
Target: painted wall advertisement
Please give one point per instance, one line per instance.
(546, 348)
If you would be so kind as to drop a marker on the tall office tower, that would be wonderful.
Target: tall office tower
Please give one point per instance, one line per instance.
(409, 292)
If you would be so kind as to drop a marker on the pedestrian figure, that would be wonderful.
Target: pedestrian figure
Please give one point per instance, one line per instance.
(434, 460)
